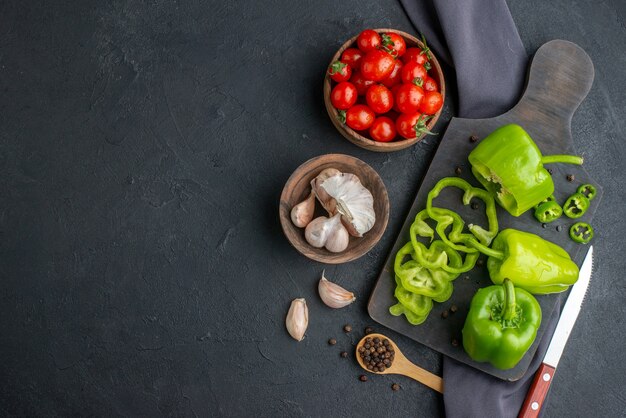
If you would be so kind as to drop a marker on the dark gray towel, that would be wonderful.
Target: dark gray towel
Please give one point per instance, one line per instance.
(480, 41)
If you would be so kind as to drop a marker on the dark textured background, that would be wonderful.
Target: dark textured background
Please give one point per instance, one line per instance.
(143, 271)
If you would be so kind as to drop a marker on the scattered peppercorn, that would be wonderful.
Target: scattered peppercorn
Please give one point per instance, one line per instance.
(570, 177)
(480, 262)
(473, 138)
(544, 226)
(466, 277)
(474, 205)
(395, 387)
(344, 354)
(458, 171)
(444, 314)
(550, 171)
(363, 378)
(455, 342)
(377, 354)
(368, 330)
(332, 341)
(347, 328)
(558, 228)
(453, 308)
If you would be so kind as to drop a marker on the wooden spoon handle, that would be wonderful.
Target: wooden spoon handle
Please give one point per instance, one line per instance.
(423, 376)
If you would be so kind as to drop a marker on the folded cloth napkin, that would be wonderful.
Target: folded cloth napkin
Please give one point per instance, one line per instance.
(480, 41)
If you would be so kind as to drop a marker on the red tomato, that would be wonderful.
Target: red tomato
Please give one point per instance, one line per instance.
(410, 125)
(360, 117)
(408, 98)
(431, 103)
(395, 76)
(416, 55)
(368, 40)
(394, 44)
(360, 83)
(344, 95)
(339, 71)
(352, 57)
(377, 65)
(430, 85)
(379, 98)
(394, 91)
(412, 71)
(383, 129)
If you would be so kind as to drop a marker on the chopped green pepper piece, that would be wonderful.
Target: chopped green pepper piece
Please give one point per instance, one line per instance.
(414, 307)
(548, 211)
(576, 205)
(581, 232)
(501, 325)
(509, 165)
(588, 190)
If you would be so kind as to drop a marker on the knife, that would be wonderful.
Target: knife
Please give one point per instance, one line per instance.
(541, 383)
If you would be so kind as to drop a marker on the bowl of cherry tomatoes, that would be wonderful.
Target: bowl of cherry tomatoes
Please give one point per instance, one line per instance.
(384, 90)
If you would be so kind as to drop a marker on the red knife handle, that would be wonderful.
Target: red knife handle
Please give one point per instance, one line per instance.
(537, 392)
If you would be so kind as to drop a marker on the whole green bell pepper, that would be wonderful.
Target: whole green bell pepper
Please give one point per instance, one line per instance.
(530, 262)
(501, 325)
(509, 165)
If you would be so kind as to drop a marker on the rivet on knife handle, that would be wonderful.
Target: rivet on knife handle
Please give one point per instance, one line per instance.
(537, 392)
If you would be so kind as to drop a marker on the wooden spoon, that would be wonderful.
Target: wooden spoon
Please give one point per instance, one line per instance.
(402, 365)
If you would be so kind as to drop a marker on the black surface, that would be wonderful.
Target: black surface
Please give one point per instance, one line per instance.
(143, 270)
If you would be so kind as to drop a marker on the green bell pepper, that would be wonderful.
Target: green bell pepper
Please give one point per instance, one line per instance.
(509, 165)
(501, 325)
(576, 205)
(530, 262)
(548, 210)
(413, 306)
(581, 232)
(589, 190)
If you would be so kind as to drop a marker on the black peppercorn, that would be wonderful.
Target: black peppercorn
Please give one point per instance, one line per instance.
(550, 171)
(363, 378)
(558, 228)
(344, 354)
(395, 387)
(368, 330)
(473, 138)
(453, 308)
(455, 342)
(444, 314)
(544, 225)
(570, 177)
(347, 328)
(480, 262)
(332, 341)
(474, 205)
(458, 171)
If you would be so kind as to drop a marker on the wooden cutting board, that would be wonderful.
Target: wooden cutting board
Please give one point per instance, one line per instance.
(560, 76)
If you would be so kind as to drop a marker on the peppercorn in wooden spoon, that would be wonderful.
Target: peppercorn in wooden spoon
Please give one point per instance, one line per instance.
(376, 353)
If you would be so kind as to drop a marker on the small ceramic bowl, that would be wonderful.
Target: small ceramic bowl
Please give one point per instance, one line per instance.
(298, 187)
(356, 138)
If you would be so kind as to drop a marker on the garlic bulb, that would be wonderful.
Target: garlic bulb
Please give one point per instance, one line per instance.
(302, 213)
(297, 319)
(327, 232)
(343, 193)
(334, 295)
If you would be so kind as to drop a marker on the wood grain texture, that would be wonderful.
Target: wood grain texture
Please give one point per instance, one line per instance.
(537, 392)
(436, 73)
(298, 187)
(560, 76)
(403, 366)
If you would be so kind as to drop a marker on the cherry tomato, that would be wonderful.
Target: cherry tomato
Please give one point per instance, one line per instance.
(339, 71)
(344, 95)
(394, 91)
(395, 76)
(408, 98)
(377, 65)
(352, 57)
(430, 85)
(360, 83)
(368, 40)
(410, 125)
(379, 98)
(416, 55)
(412, 71)
(359, 117)
(431, 103)
(383, 129)
(394, 44)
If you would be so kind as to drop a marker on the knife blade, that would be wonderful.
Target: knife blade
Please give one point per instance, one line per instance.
(543, 377)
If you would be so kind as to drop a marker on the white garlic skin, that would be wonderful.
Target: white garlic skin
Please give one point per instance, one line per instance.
(327, 232)
(297, 319)
(302, 213)
(334, 295)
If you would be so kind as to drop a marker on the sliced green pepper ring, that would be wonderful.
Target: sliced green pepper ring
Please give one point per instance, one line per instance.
(548, 211)
(588, 190)
(581, 232)
(576, 205)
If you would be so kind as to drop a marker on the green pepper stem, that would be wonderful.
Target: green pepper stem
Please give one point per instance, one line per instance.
(567, 159)
(508, 308)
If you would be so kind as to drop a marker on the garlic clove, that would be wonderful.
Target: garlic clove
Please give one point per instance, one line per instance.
(327, 232)
(327, 201)
(339, 238)
(297, 319)
(334, 295)
(317, 231)
(302, 213)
